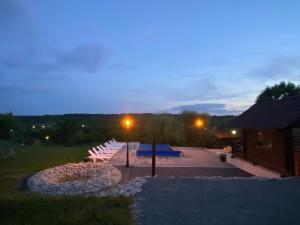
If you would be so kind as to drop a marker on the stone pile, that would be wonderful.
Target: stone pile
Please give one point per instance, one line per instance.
(75, 179)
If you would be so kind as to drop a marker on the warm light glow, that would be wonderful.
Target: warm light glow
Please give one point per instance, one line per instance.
(199, 123)
(83, 126)
(33, 127)
(47, 137)
(127, 122)
(233, 132)
(43, 126)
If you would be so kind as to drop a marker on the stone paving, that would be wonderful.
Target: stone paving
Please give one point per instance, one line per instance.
(191, 157)
(133, 172)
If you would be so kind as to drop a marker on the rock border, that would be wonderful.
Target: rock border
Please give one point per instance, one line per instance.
(99, 178)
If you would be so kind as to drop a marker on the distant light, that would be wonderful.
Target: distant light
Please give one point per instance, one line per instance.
(82, 125)
(127, 122)
(47, 137)
(11, 130)
(233, 132)
(43, 126)
(33, 126)
(199, 123)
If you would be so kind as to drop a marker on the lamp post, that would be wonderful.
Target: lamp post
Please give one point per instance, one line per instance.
(127, 123)
(153, 158)
(199, 124)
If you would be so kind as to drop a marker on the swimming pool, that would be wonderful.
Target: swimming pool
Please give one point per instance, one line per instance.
(161, 150)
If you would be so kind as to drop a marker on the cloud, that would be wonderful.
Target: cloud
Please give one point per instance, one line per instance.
(278, 67)
(193, 90)
(17, 22)
(211, 108)
(28, 89)
(83, 58)
(25, 47)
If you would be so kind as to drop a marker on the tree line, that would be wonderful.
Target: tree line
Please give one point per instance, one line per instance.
(79, 129)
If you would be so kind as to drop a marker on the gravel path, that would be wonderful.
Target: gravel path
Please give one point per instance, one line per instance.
(219, 201)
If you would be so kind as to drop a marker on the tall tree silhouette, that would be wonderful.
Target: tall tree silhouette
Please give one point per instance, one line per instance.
(278, 91)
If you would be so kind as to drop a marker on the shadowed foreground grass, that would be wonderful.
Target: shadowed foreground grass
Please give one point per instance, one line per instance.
(64, 210)
(18, 206)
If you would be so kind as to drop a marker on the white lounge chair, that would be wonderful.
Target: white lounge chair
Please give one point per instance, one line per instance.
(107, 145)
(105, 150)
(108, 149)
(100, 152)
(95, 157)
(106, 153)
(113, 152)
(113, 143)
(118, 143)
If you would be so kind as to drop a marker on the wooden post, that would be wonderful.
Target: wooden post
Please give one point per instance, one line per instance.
(153, 158)
(127, 155)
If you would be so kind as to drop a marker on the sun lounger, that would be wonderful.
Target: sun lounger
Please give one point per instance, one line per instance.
(118, 143)
(108, 149)
(96, 157)
(98, 148)
(106, 144)
(100, 152)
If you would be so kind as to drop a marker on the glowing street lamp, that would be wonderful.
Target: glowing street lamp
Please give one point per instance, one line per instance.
(199, 123)
(83, 125)
(33, 126)
(47, 138)
(233, 132)
(127, 123)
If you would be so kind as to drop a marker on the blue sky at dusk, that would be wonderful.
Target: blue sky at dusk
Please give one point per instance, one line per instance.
(144, 56)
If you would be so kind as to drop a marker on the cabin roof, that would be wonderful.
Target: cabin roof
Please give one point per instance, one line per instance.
(271, 114)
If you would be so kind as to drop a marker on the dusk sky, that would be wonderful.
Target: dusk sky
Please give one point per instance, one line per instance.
(139, 56)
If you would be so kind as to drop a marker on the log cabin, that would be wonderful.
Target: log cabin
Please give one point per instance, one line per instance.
(271, 135)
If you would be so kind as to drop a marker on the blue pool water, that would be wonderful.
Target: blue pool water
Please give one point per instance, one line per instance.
(161, 150)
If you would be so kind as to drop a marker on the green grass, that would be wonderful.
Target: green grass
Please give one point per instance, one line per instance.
(64, 210)
(18, 206)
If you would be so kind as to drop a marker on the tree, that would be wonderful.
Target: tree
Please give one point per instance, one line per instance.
(9, 126)
(66, 129)
(278, 91)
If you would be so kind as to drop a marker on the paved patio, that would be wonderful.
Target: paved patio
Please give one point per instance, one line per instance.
(191, 157)
(133, 172)
(194, 162)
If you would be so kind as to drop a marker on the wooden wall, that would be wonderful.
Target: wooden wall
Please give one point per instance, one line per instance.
(270, 157)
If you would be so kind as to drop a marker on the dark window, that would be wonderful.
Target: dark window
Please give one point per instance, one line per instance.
(264, 139)
(260, 138)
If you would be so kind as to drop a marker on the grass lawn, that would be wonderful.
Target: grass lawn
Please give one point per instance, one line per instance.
(18, 206)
